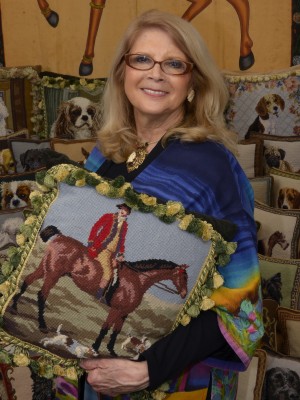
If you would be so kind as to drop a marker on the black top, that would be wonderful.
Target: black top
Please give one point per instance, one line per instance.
(186, 345)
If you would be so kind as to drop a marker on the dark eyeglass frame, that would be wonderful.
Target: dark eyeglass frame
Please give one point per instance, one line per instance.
(189, 65)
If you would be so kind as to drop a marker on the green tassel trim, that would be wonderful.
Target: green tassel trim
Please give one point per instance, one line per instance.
(209, 278)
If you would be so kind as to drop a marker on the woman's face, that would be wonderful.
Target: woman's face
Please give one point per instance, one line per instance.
(155, 95)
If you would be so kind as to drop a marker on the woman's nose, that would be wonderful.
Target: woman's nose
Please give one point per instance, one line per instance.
(156, 72)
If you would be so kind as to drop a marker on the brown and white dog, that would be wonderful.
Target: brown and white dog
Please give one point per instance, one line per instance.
(16, 194)
(268, 109)
(78, 118)
(288, 199)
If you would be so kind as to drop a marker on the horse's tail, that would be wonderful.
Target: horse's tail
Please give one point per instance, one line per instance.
(48, 232)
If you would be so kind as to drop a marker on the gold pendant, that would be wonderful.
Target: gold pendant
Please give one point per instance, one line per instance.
(137, 157)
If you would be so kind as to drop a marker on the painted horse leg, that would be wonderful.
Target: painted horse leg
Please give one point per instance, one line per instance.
(242, 9)
(51, 16)
(195, 8)
(41, 307)
(112, 342)
(86, 65)
(17, 296)
(99, 339)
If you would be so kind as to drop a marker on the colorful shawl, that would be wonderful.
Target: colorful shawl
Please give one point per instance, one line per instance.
(206, 178)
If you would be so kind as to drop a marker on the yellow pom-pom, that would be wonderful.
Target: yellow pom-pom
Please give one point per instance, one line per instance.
(207, 303)
(217, 280)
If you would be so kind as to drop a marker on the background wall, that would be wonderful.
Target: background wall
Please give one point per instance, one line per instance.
(29, 39)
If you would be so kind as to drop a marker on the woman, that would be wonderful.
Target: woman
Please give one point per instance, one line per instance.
(164, 131)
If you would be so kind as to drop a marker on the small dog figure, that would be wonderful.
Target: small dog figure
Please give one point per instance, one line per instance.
(271, 288)
(43, 158)
(8, 232)
(275, 159)
(268, 109)
(288, 199)
(72, 345)
(78, 118)
(280, 384)
(135, 345)
(3, 115)
(16, 194)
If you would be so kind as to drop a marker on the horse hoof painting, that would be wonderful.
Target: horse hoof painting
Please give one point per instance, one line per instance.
(101, 270)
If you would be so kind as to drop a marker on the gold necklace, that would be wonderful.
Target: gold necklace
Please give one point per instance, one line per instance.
(137, 157)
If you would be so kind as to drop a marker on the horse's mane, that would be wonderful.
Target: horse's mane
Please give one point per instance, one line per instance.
(148, 265)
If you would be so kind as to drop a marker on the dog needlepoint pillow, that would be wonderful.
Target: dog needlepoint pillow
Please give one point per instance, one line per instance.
(103, 271)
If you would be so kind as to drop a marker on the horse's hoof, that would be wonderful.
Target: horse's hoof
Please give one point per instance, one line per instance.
(85, 69)
(112, 352)
(246, 62)
(53, 19)
(44, 329)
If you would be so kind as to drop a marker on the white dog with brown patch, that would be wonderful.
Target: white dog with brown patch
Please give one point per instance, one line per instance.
(16, 194)
(268, 109)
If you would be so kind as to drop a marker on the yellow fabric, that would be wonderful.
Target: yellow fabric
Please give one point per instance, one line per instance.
(195, 395)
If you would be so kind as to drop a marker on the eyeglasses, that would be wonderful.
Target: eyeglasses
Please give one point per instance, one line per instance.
(172, 66)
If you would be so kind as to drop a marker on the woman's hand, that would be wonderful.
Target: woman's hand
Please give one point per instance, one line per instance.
(114, 376)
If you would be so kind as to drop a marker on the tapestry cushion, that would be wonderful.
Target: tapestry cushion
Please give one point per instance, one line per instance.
(20, 148)
(16, 383)
(286, 189)
(126, 270)
(282, 376)
(262, 188)
(271, 339)
(289, 326)
(279, 231)
(278, 278)
(280, 152)
(251, 381)
(250, 154)
(77, 150)
(21, 92)
(264, 103)
(15, 190)
(57, 89)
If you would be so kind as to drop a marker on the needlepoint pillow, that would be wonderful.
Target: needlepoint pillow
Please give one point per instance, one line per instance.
(286, 189)
(266, 103)
(103, 270)
(278, 234)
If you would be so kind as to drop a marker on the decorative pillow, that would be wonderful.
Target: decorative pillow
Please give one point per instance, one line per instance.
(57, 89)
(280, 152)
(286, 189)
(251, 381)
(5, 140)
(278, 278)
(279, 231)
(282, 377)
(295, 297)
(250, 156)
(10, 223)
(16, 383)
(20, 148)
(264, 103)
(114, 290)
(15, 190)
(77, 150)
(262, 187)
(20, 89)
(271, 337)
(289, 326)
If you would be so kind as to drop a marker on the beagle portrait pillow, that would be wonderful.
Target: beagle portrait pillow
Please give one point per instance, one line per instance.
(101, 270)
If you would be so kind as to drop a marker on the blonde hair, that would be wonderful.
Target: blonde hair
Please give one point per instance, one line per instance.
(204, 116)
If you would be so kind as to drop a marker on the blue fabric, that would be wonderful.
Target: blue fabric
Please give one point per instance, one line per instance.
(206, 178)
